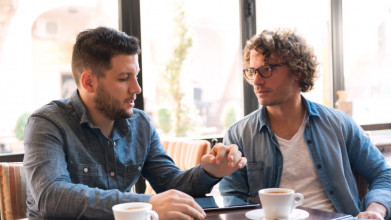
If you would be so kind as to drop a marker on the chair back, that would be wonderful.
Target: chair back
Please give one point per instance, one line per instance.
(12, 191)
(185, 153)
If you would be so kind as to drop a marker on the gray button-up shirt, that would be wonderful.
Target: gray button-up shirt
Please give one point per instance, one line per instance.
(74, 171)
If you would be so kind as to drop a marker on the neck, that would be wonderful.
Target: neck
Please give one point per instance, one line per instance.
(286, 119)
(105, 124)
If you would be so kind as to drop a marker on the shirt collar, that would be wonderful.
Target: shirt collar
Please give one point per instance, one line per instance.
(80, 109)
(121, 125)
(308, 105)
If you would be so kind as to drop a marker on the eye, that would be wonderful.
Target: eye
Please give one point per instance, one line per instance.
(251, 71)
(123, 77)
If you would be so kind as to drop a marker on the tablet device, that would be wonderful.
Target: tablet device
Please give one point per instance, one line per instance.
(224, 202)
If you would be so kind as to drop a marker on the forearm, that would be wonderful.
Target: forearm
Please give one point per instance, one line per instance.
(51, 188)
(76, 201)
(195, 182)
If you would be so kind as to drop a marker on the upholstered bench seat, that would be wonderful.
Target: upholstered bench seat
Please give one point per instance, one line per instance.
(12, 191)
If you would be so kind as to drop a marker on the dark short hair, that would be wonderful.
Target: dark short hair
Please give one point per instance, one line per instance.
(94, 49)
(291, 48)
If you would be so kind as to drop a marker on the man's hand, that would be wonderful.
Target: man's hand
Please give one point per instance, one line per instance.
(223, 160)
(173, 204)
(374, 211)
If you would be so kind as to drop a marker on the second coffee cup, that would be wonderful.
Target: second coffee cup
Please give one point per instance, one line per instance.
(278, 203)
(134, 211)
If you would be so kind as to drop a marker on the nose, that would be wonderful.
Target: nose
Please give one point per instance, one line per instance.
(134, 87)
(258, 79)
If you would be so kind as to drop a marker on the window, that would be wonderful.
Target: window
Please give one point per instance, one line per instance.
(312, 20)
(191, 51)
(35, 53)
(367, 59)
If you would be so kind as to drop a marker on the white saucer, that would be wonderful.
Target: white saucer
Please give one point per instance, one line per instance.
(258, 214)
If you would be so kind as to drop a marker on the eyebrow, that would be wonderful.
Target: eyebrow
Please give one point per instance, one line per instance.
(129, 73)
(124, 73)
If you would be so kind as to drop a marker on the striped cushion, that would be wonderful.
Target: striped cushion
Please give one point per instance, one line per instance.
(185, 153)
(12, 191)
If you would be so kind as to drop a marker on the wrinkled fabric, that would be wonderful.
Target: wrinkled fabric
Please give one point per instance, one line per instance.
(337, 146)
(74, 171)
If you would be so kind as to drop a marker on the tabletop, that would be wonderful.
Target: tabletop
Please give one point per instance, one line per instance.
(236, 214)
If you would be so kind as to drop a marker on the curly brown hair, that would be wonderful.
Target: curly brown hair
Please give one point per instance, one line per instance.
(290, 47)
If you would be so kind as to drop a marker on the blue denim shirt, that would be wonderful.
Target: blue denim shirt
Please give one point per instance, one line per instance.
(74, 171)
(337, 146)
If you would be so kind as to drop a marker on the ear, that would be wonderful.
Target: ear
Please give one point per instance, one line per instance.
(88, 81)
(296, 77)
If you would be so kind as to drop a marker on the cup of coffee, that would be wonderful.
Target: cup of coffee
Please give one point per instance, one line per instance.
(134, 211)
(278, 203)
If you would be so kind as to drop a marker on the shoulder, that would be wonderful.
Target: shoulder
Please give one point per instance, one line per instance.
(54, 109)
(51, 118)
(249, 122)
(249, 119)
(330, 117)
(319, 110)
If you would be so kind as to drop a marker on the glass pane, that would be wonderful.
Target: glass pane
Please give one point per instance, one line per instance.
(312, 20)
(367, 59)
(191, 51)
(36, 43)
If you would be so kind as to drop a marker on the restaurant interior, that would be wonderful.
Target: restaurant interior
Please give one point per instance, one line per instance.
(36, 40)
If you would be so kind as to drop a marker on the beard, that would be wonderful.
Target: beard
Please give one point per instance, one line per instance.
(110, 106)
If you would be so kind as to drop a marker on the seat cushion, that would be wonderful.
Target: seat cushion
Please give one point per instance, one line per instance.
(12, 191)
(186, 154)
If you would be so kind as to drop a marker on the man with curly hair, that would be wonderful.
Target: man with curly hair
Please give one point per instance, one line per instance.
(291, 142)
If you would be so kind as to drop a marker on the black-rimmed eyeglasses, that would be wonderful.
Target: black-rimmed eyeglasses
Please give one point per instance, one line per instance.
(264, 71)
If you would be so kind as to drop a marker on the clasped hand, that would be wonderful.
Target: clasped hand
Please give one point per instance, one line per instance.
(219, 162)
(375, 210)
(223, 160)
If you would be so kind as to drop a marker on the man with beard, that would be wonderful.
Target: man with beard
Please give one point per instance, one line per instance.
(84, 154)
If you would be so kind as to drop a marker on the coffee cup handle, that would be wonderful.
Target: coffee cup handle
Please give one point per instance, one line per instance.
(298, 199)
(152, 215)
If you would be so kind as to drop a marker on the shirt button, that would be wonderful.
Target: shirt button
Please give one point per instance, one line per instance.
(115, 143)
(309, 142)
(139, 168)
(112, 174)
(85, 170)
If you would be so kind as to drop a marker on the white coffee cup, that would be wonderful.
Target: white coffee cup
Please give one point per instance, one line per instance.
(134, 211)
(278, 203)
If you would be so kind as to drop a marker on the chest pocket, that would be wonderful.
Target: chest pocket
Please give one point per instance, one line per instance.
(91, 175)
(255, 175)
(131, 174)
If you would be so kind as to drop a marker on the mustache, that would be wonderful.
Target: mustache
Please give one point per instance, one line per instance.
(131, 99)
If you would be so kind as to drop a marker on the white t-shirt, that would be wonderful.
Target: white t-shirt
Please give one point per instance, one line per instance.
(299, 172)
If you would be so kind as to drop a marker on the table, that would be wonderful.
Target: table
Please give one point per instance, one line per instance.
(238, 214)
